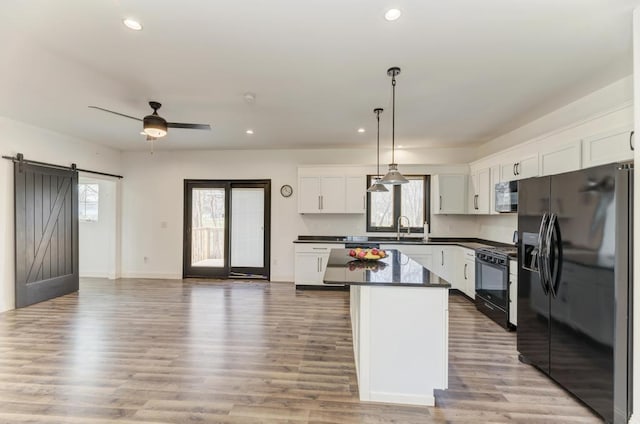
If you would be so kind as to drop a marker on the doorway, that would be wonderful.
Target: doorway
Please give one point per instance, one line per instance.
(98, 230)
(227, 228)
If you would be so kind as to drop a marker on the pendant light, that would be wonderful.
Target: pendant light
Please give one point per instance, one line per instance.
(376, 187)
(393, 177)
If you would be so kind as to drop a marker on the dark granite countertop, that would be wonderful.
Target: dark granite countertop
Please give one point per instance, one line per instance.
(397, 269)
(469, 243)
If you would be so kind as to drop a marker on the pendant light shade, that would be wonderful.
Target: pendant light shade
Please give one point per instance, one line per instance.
(393, 177)
(376, 187)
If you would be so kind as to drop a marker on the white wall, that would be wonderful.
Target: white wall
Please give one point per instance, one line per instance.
(98, 240)
(46, 146)
(608, 108)
(153, 199)
(611, 99)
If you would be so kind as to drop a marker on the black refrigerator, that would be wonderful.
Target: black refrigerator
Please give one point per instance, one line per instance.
(574, 283)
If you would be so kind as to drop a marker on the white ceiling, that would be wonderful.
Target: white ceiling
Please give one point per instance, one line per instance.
(471, 70)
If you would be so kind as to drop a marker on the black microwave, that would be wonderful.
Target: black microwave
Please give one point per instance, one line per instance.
(507, 196)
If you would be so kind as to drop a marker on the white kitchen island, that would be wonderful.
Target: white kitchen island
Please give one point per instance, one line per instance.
(400, 321)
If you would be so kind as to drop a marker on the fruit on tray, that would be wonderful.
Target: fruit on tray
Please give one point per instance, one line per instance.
(367, 254)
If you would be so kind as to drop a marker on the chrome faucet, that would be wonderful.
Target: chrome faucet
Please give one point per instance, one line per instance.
(408, 226)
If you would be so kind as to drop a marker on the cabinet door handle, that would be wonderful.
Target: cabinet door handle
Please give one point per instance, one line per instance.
(440, 207)
(475, 201)
(465, 271)
(319, 204)
(631, 140)
(518, 168)
(320, 269)
(318, 263)
(364, 202)
(514, 169)
(442, 254)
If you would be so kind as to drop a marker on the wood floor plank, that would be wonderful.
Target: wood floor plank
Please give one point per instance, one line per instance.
(166, 351)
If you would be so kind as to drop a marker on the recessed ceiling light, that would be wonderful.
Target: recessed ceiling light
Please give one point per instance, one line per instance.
(392, 14)
(361, 130)
(132, 24)
(250, 132)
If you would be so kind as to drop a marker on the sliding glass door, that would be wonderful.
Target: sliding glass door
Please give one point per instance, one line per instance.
(227, 228)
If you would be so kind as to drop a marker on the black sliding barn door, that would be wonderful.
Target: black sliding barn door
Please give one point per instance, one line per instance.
(46, 230)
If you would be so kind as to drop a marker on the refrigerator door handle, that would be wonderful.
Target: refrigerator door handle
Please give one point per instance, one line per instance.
(552, 281)
(540, 254)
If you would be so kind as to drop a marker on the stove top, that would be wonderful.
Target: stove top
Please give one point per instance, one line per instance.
(509, 251)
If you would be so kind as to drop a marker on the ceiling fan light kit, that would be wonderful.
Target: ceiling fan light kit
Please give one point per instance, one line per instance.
(154, 125)
(393, 177)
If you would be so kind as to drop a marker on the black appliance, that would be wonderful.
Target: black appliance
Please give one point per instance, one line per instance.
(506, 197)
(492, 283)
(574, 284)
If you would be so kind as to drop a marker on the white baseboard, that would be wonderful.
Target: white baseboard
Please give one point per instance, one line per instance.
(94, 275)
(151, 275)
(635, 419)
(407, 399)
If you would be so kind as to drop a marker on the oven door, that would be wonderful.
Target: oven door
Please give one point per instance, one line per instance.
(492, 282)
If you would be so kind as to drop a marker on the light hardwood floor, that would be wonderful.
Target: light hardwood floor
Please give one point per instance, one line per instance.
(158, 351)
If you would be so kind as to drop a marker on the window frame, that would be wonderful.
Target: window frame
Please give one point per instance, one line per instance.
(82, 205)
(397, 205)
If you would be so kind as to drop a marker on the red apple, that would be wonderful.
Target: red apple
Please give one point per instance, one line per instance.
(375, 251)
(361, 254)
(352, 253)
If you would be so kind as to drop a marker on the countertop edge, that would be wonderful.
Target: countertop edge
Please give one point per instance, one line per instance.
(433, 286)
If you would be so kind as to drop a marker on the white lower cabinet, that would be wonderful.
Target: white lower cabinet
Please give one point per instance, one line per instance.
(469, 273)
(446, 260)
(311, 262)
(419, 253)
(513, 292)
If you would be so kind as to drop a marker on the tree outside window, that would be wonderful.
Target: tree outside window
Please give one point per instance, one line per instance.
(88, 201)
(410, 200)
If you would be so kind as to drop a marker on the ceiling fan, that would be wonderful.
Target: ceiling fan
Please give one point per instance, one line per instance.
(154, 125)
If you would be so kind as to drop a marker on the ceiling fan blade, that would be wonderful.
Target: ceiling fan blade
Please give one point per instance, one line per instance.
(189, 126)
(115, 113)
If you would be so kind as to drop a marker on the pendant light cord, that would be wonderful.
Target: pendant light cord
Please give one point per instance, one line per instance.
(393, 120)
(378, 151)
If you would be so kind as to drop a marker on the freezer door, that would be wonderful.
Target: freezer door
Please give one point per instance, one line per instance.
(533, 301)
(581, 246)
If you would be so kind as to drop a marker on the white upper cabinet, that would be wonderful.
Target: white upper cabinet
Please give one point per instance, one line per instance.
(449, 194)
(322, 194)
(479, 192)
(612, 146)
(309, 196)
(494, 179)
(520, 168)
(560, 158)
(356, 194)
(331, 190)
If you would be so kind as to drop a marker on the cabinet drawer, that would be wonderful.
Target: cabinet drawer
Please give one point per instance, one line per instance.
(316, 248)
